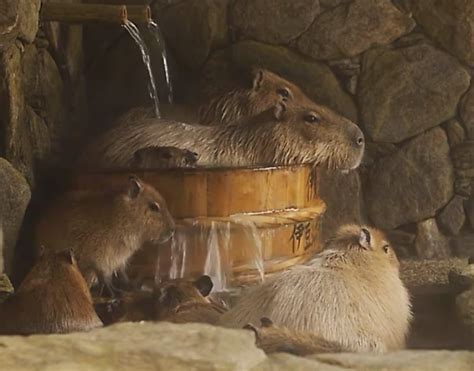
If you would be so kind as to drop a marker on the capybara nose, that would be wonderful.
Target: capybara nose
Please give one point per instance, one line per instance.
(360, 141)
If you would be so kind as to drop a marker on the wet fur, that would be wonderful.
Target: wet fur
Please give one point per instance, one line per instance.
(53, 298)
(347, 294)
(104, 228)
(163, 158)
(274, 137)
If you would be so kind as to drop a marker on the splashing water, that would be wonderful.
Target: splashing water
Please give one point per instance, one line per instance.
(215, 266)
(178, 255)
(133, 31)
(159, 39)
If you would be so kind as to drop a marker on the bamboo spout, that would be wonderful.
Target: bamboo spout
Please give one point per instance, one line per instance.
(139, 14)
(84, 13)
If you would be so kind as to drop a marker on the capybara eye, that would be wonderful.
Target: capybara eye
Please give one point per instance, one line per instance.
(386, 249)
(154, 206)
(313, 119)
(283, 92)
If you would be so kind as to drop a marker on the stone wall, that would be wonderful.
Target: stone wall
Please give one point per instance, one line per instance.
(42, 108)
(400, 69)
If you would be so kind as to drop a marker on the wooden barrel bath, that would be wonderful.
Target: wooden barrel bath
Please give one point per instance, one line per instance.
(234, 223)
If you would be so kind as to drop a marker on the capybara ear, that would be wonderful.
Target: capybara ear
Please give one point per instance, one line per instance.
(279, 110)
(258, 76)
(251, 327)
(204, 285)
(135, 186)
(266, 322)
(364, 238)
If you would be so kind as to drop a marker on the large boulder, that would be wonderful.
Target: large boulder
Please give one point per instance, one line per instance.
(28, 19)
(14, 198)
(411, 185)
(351, 29)
(449, 22)
(314, 78)
(273, 21)
(430, 243)
(452, 217)
(466, 111)
(405, 91)
(194, 28)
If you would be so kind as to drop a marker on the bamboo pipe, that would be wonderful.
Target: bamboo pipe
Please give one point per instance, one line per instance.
(84, 13)
(139, 13)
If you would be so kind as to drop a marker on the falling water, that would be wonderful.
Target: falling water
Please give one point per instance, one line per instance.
(178, 255)
(215, 266)
(159, 39)
(135, 34)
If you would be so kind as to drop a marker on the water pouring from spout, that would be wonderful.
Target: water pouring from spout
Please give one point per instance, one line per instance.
(159, 39)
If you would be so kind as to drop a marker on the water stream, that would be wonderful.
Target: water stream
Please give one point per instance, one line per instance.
(159, 40)
(135, 34)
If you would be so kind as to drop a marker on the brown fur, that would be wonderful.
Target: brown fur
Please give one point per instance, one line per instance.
(267, 90)
(53, 298)
(275, 137)
(105, 228)
(274, 339)
(196, 312)
(165, 299)
(163, 158)
(350, 293)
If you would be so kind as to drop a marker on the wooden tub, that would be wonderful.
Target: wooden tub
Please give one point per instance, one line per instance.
(230, 221)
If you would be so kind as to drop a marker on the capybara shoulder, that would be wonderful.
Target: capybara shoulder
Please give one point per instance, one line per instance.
(105, 228)
(350, 293)
(53, 298)
(275, 339)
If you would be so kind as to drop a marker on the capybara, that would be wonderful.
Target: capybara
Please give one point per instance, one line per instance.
(163, 158)
(274, 137)
(165, 299)
(275, 339)
(105, 228)
(53, 298)
(350, 293)
(196, 312)
(267, 90)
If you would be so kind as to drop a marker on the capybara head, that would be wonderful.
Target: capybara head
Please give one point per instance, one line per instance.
(151, 210)
(266, 91)
(170, 294)
(363, 241)
(318, 136)
(163, 158)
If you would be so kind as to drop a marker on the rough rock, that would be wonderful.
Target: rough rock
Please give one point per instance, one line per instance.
(273, 21)
(463, 155)
(343, 196)
(462, 276)
(329, 4)
(351, 29)
(465, 308)
(402, 360)
(314, 78)
(452, 217)
(194, 28)
(418, 273)
(463, 245)
(166, 346)
(411, 185)
(470, 211)
(14, 198)
(374, 151)
(430, 243)
(455, 131)
(449, 22)
(28, 19)
(6, 288)
(462, 187)
(403, 92)
(8, 22)
(466, 112)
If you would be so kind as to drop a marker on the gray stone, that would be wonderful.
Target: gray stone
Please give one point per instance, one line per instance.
(463, 155)
(329, 4)
(470, 211)
(449, 22)
(342, 194)
(452, 217)
(28, 19)
(465, 309)
(463, 245)
(455, 131)
(375, 151)
(423, 273)
(14, 198)
(466, 112)
(273, 21)
(314, 78)
(462, 187)
(463, 276)
(412, 184)
(403, 92)
(6, 288)
(351, 29)
(194, 28)
(8, 22)
(430, 243)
